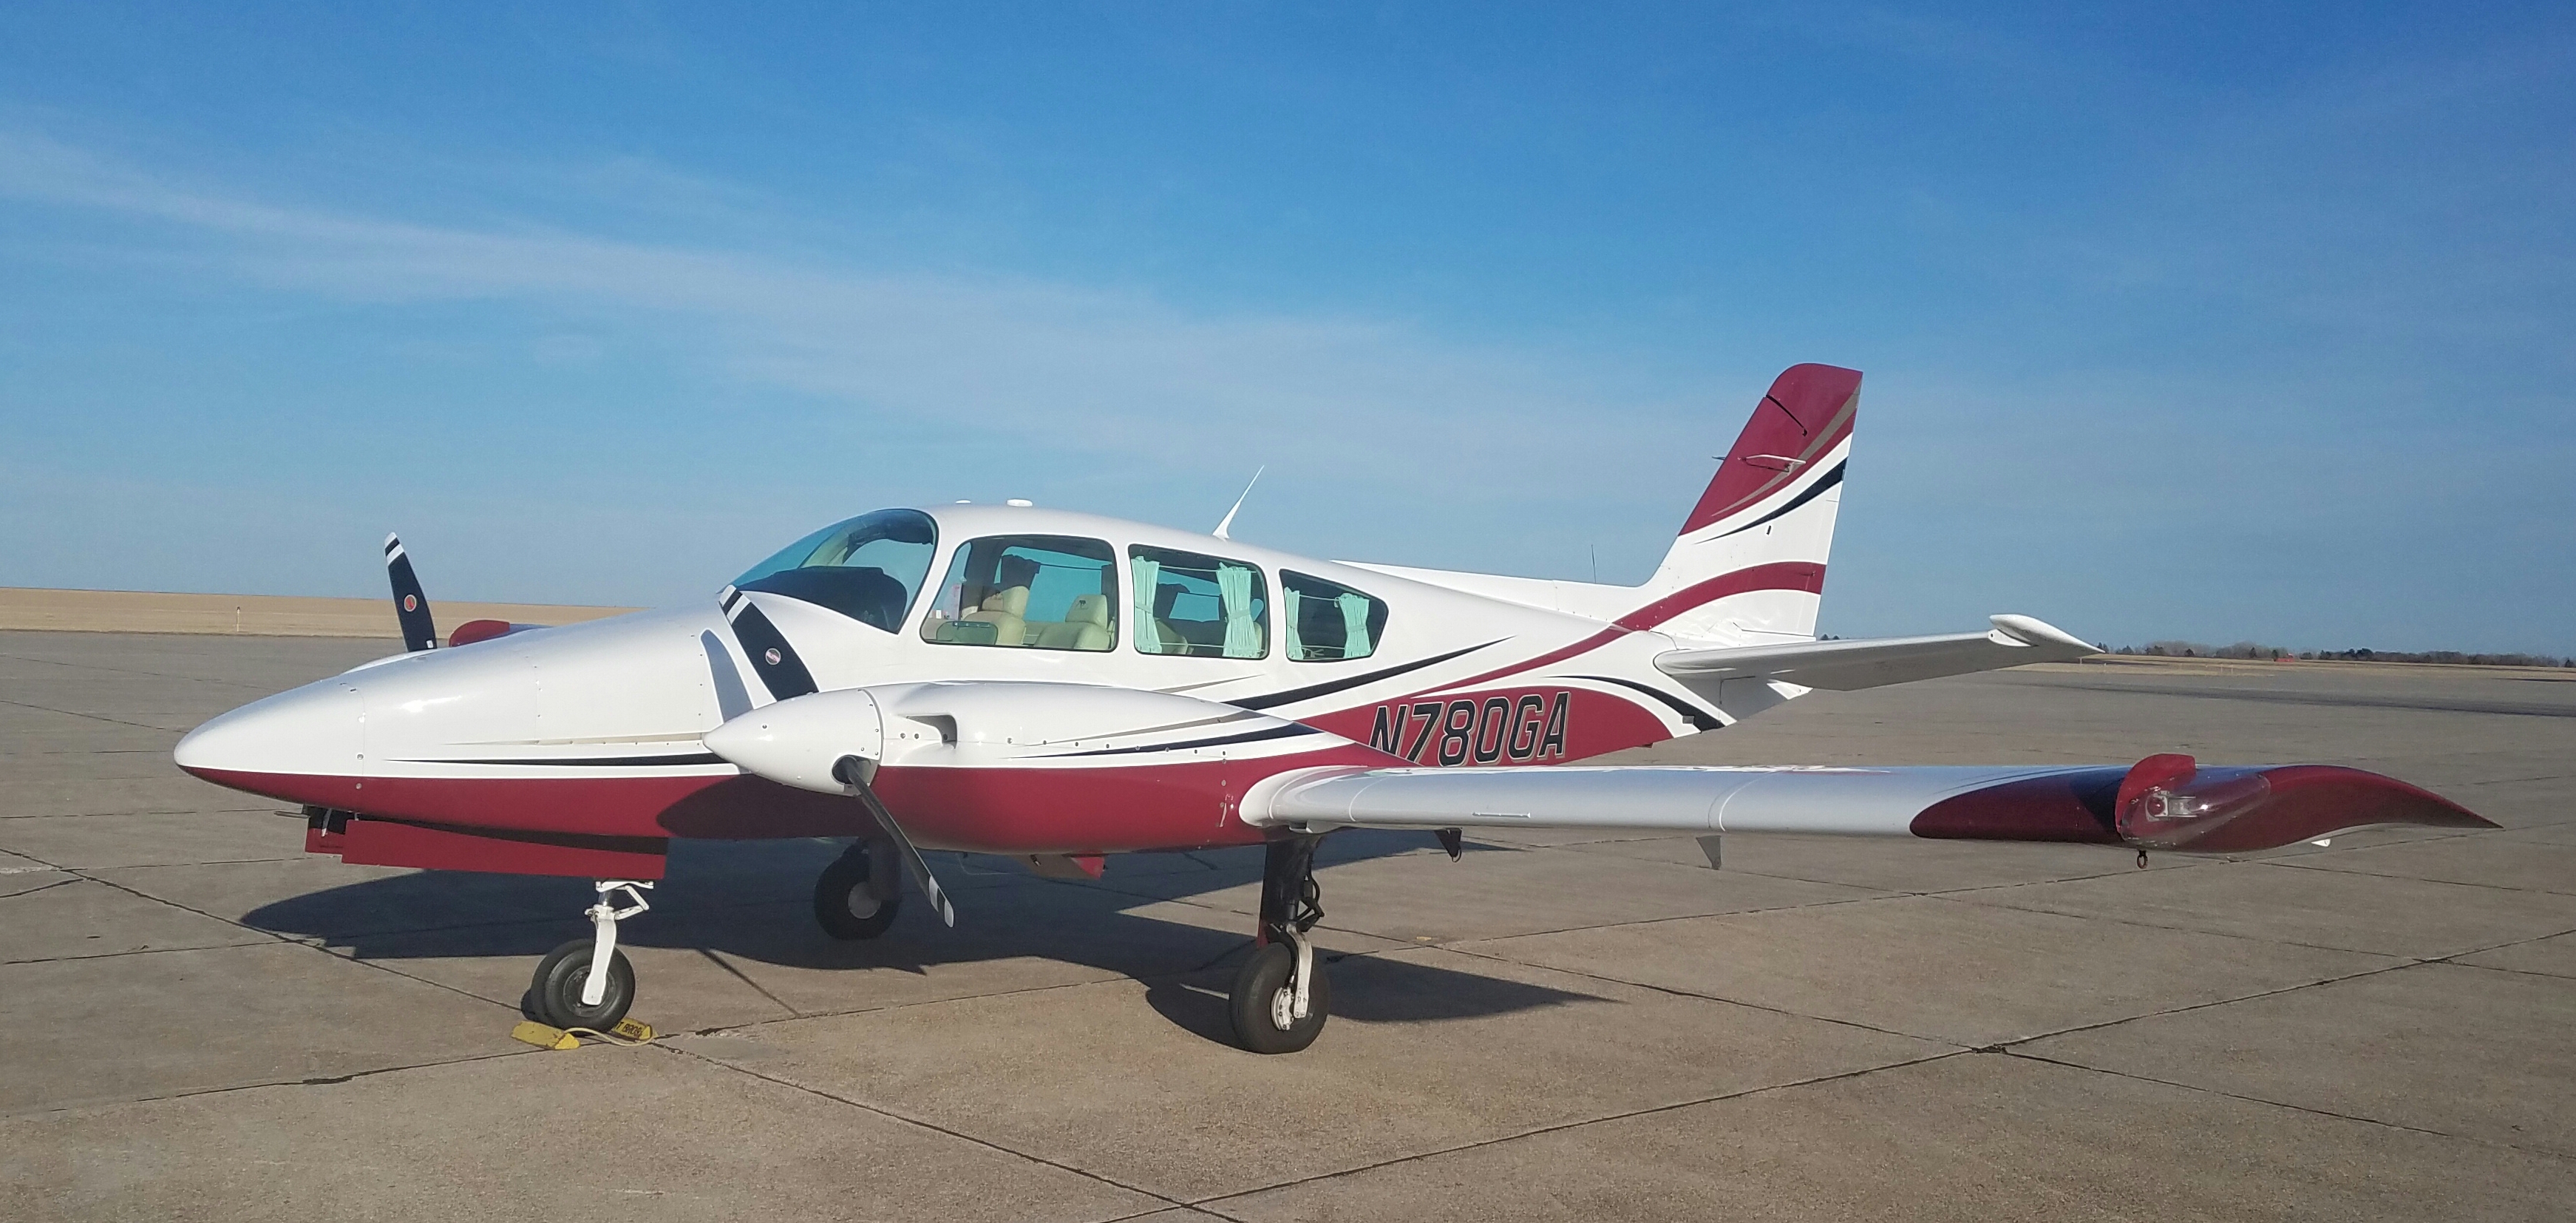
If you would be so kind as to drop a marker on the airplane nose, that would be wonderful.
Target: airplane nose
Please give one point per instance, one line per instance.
(306, 745)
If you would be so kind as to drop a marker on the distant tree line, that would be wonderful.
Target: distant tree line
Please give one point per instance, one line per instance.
(2273, 653)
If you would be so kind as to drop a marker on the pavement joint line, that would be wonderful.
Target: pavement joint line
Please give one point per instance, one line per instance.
(92, 666)
(2345, 870)
(74, 713)
(1696, 996)
(153, 812)
(2281, 942)
(2519, 972)
(1562, 1126)
(2311, 1110)
(45, 887)
(328, 1080)
(2005, 1045)
(272, 935)
(110, 955)
(98, 815)
(889, 1007)
(932, 1126)
(2274, 696)
(2403, 963)
(2148, 925)
(1641, 921)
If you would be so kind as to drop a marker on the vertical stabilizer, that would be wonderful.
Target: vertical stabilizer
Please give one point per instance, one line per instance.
(1749, 565)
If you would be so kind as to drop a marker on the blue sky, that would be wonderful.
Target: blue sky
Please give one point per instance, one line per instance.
(2182, 320)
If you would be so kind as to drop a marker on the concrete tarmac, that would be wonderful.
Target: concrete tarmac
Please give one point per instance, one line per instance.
(197, 1021)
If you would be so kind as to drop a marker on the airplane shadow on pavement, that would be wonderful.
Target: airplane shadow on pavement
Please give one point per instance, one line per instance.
(753, 900)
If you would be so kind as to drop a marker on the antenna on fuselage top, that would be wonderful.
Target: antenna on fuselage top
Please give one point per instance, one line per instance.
(1228, 520)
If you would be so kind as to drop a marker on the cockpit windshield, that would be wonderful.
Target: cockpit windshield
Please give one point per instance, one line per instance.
(868, 568)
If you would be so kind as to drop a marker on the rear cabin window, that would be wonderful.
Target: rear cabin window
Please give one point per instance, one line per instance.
(1037, 592)
(1322, 621)
(1204, 606)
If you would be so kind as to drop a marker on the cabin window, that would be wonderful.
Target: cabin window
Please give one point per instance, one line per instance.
(868, 568)
(1324, 621)
(1039, 592)
(1204, 606)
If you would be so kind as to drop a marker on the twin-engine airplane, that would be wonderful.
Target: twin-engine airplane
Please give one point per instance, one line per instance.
(1061, 687)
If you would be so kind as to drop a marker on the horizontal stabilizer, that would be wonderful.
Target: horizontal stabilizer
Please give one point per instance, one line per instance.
(2162, 802)
(1844, 666)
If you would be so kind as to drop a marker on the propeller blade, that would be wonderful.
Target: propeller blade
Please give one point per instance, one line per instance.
(411, 607)
(772, 659)
(852, 770)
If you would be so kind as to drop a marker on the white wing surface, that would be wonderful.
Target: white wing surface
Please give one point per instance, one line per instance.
(1845, 666)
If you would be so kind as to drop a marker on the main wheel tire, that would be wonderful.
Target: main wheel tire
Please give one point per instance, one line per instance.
(1261, 1000)
(845, 907)
(555, 993)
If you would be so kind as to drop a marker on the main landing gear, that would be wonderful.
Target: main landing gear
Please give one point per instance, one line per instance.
(857, 894)
(1281, 996)
(587, 982)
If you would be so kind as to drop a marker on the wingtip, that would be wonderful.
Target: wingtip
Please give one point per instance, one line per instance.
(2033, 631)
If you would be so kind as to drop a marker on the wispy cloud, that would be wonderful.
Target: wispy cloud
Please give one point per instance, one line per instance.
(1065, 366)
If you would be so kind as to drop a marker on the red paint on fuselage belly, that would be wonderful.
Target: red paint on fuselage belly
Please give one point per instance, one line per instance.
(1119, 809)
(1596, 723)
(1015, 810)
(711, 806)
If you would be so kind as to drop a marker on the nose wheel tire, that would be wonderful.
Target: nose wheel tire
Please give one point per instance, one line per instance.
(847, 903)
(554, 996)
(1263, 1002)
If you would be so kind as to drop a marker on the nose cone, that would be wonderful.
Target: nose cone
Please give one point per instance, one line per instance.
(307, 745)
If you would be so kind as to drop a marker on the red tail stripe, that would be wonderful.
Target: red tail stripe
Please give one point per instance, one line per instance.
(1780, 575)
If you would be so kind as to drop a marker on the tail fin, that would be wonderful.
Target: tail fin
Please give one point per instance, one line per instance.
(1749, 564)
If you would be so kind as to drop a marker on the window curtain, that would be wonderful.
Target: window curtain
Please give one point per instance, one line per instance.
(1149, 574)
(1234, 596)
(1289, 599)
(1355, 618)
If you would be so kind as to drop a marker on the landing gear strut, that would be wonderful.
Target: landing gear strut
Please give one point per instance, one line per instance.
(587, 982)
(856, 896)
(1281, 997)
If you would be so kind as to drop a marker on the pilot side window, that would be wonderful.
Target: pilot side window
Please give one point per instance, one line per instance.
(1206, 606)
(1324, 621)
(1044, 592)
(868, 568)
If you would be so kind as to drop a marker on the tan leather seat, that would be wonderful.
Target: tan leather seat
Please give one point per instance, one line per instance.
(1085, 626)
(1004, 610)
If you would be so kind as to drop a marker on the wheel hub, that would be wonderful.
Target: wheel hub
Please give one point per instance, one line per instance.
(1283, 1008)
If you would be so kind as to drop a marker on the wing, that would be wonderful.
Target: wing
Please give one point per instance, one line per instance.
(2162, 802)
(1847, 665)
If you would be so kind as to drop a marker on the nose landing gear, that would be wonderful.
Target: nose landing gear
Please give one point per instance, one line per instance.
(856, 896)
(587, 983)
(1281, 996)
